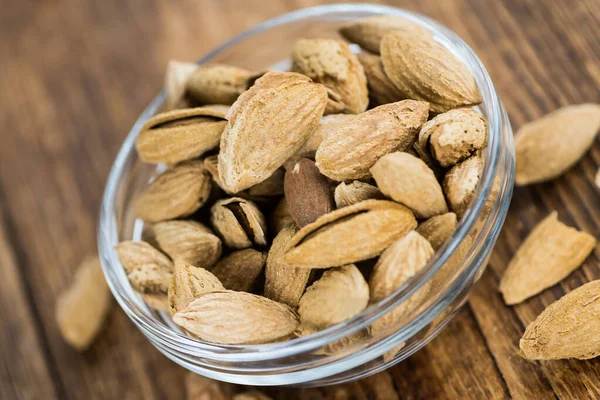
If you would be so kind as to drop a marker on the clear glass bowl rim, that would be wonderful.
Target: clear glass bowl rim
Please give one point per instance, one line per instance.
(108, 234)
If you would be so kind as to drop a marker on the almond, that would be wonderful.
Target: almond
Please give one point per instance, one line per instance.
(368, 32)
(352, 149)
(409, 181)
(425, 70)
(230, 317)
(177, 192)
(461, 182)
(568, 328)
(175, 80)
(549, 254)
(240, 269)
(339, 294)
(365, 229)
(158, 301)
(188, 241)
(381, 89)
(267, 125)
(239, 223)
(82, 309)
(179, 135)
(307, 193)
(438, 229)
(283, 283)
(453, 136)
(399, 263)
(549, 146)
(217, 84)
(281, 217)
(330, 62)
(148, 270)
(347, 194)
(188, 283)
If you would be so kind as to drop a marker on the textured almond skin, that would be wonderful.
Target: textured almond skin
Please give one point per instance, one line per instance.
(188, 241)
(454, 136)
(267, 125)
(239, 223)
(548, 147)
(217, 84)
(398, 263)
(368, 32)
(176, 78)
(81, 309)
(230, 317)
(424, 70)
(198, 387)
(177, 192)
(347, 194)
(188, 283)
(354, 146)
(331, 63)
(284, 284)
(460, 183)
(549, 254)
(381, 89)
(409, 181)
(307, 193)
(348, 235)
(568, 328)
(438, 229)
(339, 294)
(148, 270)
(179, 135)
(239, 270)
(327, 124)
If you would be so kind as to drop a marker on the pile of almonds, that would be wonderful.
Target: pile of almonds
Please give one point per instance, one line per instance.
(294, 200)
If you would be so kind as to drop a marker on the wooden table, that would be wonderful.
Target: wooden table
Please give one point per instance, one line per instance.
(74, 75)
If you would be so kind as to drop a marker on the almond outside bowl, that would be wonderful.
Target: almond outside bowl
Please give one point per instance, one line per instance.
(342, 352)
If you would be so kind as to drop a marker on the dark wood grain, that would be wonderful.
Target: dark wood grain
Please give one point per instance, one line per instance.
(75, 75)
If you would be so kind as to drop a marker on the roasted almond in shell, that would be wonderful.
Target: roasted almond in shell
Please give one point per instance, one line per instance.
(346, 194)
(354, 146)
(330, 62)
(240, 269)
(148, 270)
(549, 146)
(188, 283)
(549, 254)
(177, 192)
(568, 328)
(461, 182)
(230, 317)
(188, 241)
(267, 125)
(409, 181)
(425, 70)
(217, 83)
(438, 229)
(239, 223)
(348, 235)
(381, 89)
(180, 135)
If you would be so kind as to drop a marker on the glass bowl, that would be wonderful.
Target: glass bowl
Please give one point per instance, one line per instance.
(341, 352)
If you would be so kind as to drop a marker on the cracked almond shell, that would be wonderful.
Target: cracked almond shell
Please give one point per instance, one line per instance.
(149, 270)
(230, 317)
(330, 62)
(568, 328)
(239, 223)
(549, 254)
(424, 70)
(188, 283)
(179, 135)
(177, 192)
(547, 147)
(409, 181)
(267, 125)
(354, 146)
(348, 235)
